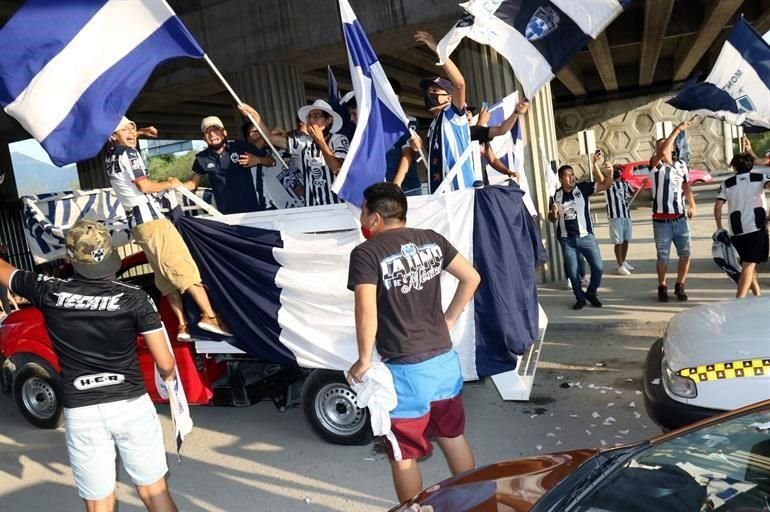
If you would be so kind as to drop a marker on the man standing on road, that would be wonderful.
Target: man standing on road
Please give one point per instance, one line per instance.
(669, 213)
(395, 276)
(93, 322)
(618, 214)
(168, 255)
(570, 210)
(747, 214)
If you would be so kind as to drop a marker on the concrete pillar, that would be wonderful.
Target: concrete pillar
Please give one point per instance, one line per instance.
(489, 78)
(8, 190)
(277, 91)
(92, 174)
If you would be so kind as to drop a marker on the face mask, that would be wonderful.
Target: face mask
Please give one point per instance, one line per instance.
(366, 232)
(431, 101)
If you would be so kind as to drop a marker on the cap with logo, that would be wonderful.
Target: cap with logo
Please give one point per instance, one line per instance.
(125, 123)
(438, 81)
(89, 246)
(210, 122)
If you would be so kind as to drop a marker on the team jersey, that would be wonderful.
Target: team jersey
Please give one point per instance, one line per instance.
(448, 138)
(125, 167)
(93, 326)
(746, 203)
(617, 199)
(574, 218)
(317, 176)
(406, 265)
(667, 188)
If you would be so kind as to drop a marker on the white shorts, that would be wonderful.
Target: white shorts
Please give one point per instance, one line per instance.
(93, 432)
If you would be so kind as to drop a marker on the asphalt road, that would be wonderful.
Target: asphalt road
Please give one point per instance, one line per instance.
(586, 394)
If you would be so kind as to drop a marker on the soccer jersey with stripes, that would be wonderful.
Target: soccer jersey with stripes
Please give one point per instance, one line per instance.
(574, 215)
(746, 203)
(124, 168)
(617, 200)
(448, 138)
(317, 176)
(667, 188)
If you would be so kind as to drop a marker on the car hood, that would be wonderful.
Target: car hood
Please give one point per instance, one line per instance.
(516, 484)
(725, 331)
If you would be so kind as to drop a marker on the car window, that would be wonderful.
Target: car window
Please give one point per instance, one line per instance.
(641, 170)
(722, 467)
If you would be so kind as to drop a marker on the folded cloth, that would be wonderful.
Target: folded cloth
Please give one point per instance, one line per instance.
(377, 392)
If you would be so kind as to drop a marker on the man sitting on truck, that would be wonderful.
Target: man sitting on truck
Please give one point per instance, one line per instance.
(93, 322)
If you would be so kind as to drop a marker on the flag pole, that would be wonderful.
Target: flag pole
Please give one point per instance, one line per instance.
(419, 150)
(238, 101)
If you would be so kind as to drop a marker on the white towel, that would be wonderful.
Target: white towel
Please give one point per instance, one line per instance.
(377, 392)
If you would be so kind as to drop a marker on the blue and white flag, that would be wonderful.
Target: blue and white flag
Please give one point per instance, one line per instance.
(738, 88)
(70, 70)
(537, 37)
(337, 104)
(284, 292)
(381, 120)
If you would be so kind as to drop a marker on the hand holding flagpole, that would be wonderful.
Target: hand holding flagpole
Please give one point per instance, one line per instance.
(239, 102)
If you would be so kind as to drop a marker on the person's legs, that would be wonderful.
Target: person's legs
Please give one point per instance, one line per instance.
(457, 451)
(618, 249)
(407, 478)
(107, 504)
(747, 279)
(662, 233)
(175, 303)
(623, 251)
(589, 248)
(755, 285)
(681, 238)
(156, 497)
(570, 254)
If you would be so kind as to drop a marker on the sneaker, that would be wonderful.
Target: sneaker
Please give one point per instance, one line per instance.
(569, 285)
(579, 305)
(585, 280)
(662, 293)
(183, 334)
(594, 300)
(679, 292)
(213, 324)
(628, 266)
(623, 271)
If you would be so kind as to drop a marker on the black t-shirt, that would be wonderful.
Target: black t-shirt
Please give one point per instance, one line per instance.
(93, 326)
(406, 266)
(480, 133)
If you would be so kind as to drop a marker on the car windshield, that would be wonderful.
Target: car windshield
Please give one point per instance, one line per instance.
(721, 467)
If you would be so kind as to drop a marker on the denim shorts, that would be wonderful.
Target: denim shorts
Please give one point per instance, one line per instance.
(94, 431)
(667, 231)
(620, 230)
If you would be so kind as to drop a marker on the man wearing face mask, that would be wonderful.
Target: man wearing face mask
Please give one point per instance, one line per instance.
(449, 134)
(396, 278)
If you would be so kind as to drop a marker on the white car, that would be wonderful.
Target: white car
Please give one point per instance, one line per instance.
(712, 358)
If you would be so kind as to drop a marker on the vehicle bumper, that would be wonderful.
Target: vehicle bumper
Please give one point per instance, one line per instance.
(664, 410)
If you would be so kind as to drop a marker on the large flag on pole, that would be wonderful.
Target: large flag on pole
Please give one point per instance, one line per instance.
(70, 70)
(381, 120)
(738, 88)
(537, 37)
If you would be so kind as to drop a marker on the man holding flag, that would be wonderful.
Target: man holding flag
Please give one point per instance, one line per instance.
(449, 135)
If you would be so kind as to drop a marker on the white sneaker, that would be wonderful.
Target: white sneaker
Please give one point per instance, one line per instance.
(623, 271)
(585, 280)
(569, 285)
(629, 266)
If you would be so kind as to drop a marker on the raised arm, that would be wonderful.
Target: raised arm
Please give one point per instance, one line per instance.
(746, 148)
(506, 126)
(450, 69)
(277, 140)
(668, 144)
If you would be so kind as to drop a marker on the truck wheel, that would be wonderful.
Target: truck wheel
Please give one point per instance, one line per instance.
(37, 393)
(330, 407)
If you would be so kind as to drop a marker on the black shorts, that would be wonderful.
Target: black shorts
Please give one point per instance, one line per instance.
(752, 247)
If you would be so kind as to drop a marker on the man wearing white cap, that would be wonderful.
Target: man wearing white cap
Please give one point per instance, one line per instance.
(168, 255)
(320, 154)
(228, 163)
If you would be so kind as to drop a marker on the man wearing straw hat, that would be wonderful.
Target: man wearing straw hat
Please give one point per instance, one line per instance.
(320, 154)
(168, 255)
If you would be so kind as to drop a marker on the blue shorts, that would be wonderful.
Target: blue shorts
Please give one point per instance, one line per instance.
(620, 230)
(667, 231)
(417, 385)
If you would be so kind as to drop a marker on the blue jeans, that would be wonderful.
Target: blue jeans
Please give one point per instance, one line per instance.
(589, 249)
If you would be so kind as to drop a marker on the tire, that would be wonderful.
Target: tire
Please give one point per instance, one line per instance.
(37, 393)
(329, 407)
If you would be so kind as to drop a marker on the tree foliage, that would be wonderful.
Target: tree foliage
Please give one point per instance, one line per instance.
(165, 166)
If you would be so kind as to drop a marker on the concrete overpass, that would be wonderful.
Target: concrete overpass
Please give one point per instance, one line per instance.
(275, 53)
